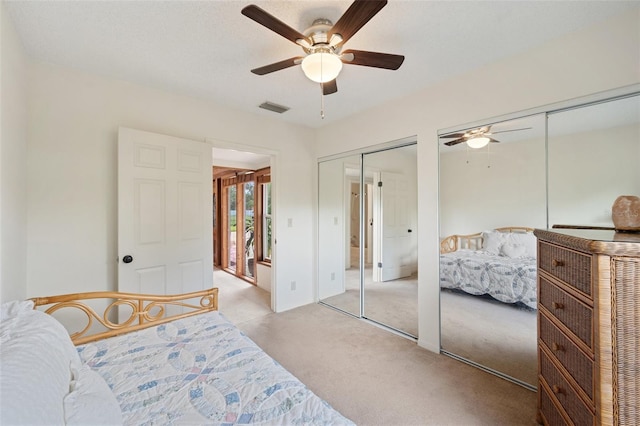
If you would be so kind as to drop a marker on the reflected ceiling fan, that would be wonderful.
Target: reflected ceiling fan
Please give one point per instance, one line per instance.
(476, 138)
(322, 44)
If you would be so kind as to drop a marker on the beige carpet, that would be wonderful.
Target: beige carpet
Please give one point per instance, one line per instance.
(494, 334)
(370, 375)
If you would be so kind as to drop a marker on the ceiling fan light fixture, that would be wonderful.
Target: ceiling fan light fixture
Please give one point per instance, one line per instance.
(478, 142)
(321, 67)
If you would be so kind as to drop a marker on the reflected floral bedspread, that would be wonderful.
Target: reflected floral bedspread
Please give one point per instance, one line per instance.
(477, 272)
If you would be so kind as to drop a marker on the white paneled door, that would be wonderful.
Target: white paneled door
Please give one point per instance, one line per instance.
(164, 214)
(393, 227)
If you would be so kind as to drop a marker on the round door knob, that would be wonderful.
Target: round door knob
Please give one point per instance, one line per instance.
(127, 259)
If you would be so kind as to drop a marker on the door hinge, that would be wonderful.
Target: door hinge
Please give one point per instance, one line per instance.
(380, 184)
(379, 264)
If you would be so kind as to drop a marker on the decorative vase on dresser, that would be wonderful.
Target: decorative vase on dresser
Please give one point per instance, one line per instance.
(588, 327)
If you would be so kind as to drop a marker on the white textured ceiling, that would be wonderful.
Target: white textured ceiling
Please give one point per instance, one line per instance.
(206, 49)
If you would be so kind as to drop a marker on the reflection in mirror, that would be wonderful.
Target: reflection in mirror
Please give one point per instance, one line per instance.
(338, 233)
(490, 199)
(594, 157)
(391, 267)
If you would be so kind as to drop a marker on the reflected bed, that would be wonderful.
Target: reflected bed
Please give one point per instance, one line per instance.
(500, 263)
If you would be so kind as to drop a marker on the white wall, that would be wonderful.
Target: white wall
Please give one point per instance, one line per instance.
(13, 163)
(264, 277)
(72, 217)
(599, 58)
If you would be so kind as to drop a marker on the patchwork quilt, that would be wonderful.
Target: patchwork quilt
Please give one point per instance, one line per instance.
(202, 370)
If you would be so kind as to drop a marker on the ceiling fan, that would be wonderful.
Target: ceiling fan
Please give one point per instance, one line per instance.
(476, 138)
(323, 42)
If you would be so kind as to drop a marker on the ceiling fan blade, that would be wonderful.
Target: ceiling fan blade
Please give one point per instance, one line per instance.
(511, 130)
(456, 142)
(358, 14)
(453, 135)
(274, 24)
(374, 59)
(277, 66)
(329, 87)
(493, 140)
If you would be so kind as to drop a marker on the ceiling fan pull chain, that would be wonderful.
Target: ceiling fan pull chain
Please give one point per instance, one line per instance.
(322, 100)
(321, 90)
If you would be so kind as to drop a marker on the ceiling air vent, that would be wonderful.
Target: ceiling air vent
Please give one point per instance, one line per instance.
(274, 107)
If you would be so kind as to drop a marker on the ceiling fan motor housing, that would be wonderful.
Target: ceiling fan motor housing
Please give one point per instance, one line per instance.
(317, 33)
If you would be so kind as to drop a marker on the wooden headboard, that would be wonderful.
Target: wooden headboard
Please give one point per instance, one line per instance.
(473, 241)
(143, 310)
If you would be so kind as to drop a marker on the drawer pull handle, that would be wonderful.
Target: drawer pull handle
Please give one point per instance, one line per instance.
(556, 262)
(557, 305)
(557, 389)
(557, 347)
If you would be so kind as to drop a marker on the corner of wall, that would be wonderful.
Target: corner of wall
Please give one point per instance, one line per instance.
(13, 163)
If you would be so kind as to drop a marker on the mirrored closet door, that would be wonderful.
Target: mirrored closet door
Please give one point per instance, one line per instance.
(492, 195)
(594, 157)
(487, 196)
(391, 261)
(338, 233)
(367, 218)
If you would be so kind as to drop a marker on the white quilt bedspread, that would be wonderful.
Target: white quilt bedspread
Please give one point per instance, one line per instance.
(202, 370)
(476, 272)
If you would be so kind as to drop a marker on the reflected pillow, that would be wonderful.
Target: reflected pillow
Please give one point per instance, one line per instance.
(492, 241)
(526, 240)
(513, 251)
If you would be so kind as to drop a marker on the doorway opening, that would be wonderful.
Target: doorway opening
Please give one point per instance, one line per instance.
(242, 224)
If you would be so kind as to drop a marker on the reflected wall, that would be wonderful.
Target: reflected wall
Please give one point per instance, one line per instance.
(338, 267)
(594, 156)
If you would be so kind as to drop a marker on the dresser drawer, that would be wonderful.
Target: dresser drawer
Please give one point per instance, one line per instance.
(576, 409)
(572, 267)
(579, 365)
(577, 316)
(550, 413)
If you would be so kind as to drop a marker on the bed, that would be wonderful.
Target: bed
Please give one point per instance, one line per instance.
(500, 263)
(173, 360)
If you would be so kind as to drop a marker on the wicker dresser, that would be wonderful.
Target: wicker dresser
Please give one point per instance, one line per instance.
(588, 327)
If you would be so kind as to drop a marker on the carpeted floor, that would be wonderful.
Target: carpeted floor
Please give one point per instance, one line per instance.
(370, 375)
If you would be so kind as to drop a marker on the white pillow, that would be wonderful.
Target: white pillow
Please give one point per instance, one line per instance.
(90, 401)
(492, 241)
(526, 240)
(511, 250)
(14, 308)
(35, 356)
